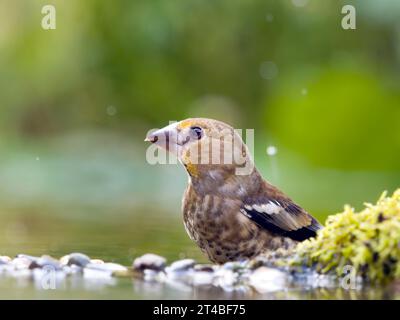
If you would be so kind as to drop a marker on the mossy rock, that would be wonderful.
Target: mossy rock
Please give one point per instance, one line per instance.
(369, 241)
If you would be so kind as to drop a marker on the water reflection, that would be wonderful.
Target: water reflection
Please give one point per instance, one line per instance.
(100, 287)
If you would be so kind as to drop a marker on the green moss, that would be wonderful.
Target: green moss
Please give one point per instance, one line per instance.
(368, 240)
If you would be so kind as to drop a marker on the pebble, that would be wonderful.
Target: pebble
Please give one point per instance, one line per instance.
(95, 280)
(74, 269)
(4, 259)
(181, 271)
(149, 261)
(204, 267)
(78, 259)
(316, 280)
(234, 265)
(202, 278)
(266, 279)
(153, 275)
(257, 262)
(96, 261)
(95, 273)
(45, 262)
(106, 267)
(181, 265)
(226, 279)
(236, 277)
(27, 256)
(21, 262)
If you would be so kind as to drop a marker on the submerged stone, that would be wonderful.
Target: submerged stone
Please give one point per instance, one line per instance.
(226, 279)
(153, 275)
(4, 259)
(234, 265)
(202, 278)
(21, 262)
(45, 262)
(266, 280)
(96, 261)
(72, 270)
(204, 267)
(181, 265)
(106, 267)
(149, 261)
(96, 274)
(78, 259)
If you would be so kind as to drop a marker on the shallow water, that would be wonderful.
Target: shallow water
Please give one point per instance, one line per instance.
(115, 238)
(124, 288)
(121, 240)
(97, 195)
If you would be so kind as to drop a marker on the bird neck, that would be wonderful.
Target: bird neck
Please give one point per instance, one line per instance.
(224, 182)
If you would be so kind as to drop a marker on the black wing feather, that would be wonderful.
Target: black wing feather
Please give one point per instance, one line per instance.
(300, 227)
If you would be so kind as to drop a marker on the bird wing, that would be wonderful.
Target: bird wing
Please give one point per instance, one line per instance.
(281, 216)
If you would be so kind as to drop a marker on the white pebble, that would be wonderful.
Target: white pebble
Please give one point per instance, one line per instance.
(266, 279)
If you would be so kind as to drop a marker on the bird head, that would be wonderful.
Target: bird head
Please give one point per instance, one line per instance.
(206, 147)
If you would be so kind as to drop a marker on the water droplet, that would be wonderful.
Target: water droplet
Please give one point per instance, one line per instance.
(272, 150)
(111, 110)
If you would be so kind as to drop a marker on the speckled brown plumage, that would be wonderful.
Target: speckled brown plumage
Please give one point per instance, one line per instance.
(221, 231)
(231, 216)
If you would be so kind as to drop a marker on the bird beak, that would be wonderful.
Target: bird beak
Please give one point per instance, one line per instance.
(151, 138)
(165, 138)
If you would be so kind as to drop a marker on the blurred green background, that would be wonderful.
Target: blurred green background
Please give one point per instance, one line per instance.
(77, 102)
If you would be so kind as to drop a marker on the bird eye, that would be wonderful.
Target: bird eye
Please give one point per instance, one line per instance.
(197, 132)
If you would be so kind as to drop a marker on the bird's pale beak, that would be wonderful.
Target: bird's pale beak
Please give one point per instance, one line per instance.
(151, 138)
(165, 138)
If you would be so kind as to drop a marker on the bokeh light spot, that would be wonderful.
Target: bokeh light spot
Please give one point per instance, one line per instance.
(111, 110)
(272, 151)
(300, 3)
(268, 70)
(269, 17)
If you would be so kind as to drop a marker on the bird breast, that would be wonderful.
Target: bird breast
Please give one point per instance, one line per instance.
(219, 229)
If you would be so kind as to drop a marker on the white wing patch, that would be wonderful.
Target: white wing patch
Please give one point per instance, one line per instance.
(284, 218)
(269, 208)
(248, 215)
